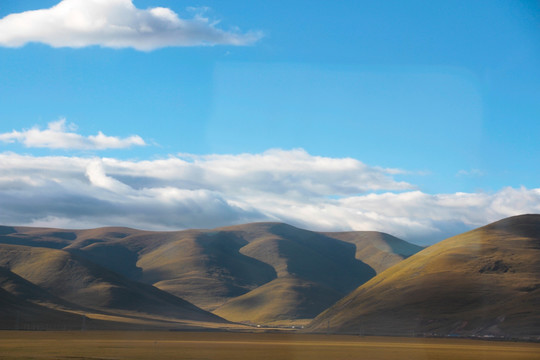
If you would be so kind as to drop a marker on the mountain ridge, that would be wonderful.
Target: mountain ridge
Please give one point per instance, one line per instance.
(225, 269)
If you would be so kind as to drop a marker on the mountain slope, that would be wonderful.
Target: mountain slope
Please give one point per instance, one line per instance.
(205, 267)
(282, 299)
(235, 270)
(81, 282)
(483, 282)
(377, 249)
(313, 271)
(25, 306)
(24, 289)
(20, 314)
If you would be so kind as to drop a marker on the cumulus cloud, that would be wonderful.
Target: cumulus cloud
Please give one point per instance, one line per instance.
(187, 191)
(293, 173)
(59, 136)
(114, 24)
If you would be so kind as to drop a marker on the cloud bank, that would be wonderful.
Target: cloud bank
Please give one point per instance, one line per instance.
(189, 191)
(114, 24)
(59, 136)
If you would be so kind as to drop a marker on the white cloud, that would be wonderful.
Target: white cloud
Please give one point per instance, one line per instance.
(97, 177)
(59, 136)
(114, 24)
(187, 191)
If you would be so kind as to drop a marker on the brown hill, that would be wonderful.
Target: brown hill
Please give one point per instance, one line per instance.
(378, 250)
(281, 301)
(24, 289)
(116, 258)
(242, 266)
(25, 306)
(78, 281)
(20, 314)
(211, 267)
(313, 271)
(17, 310)
(483, 282)
(205, 267)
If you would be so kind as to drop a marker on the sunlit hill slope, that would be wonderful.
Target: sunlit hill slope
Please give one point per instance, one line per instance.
(483, 282)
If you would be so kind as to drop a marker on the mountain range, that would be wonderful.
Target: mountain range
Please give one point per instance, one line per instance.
(485, 282)
(255, 273)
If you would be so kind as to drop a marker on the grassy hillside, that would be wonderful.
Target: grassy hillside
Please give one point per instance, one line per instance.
(24, 289)
(486, 281)
(285, 298)
(377, 249)
(79, 281)
(20, 306)
(234, 271)
(313, 271)
(20, 314)
(206, 268)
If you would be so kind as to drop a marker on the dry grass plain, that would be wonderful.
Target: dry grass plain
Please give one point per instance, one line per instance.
(260, 346)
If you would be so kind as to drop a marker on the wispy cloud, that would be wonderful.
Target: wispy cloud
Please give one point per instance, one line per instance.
(58, 135)
(470, 173)
(114, 24)
(187, 191)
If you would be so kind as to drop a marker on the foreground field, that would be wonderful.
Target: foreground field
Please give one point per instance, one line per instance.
(233, 346)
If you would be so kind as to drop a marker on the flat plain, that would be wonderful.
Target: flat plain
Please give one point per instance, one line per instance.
(258, 346)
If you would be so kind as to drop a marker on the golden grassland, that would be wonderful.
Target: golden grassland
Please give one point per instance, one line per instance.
(260, 346)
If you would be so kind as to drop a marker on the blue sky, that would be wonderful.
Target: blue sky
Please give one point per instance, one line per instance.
(443, 96)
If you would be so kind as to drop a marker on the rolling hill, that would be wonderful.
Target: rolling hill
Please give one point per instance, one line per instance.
(257, 273)
(63, 280)
(485, 282)
(20, 308)
(19, 314)
(377, 249)
(313, 271)
(24, 289)
(283, 301)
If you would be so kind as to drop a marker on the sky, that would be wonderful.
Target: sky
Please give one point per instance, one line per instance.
(417, 118)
